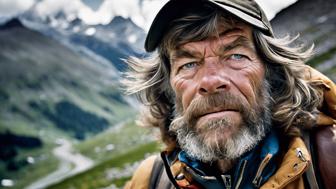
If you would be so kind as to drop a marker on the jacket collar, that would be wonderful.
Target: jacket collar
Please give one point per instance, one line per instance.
(295, 162)
(252, 169)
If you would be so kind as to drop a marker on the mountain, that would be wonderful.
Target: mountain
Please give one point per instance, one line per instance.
(113, 42)
(13, 23)
(51, 88)
(43, 81)
(315, 21)
(59, 80)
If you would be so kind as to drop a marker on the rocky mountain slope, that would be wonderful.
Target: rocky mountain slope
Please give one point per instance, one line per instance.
(113, 42)
(315, 21)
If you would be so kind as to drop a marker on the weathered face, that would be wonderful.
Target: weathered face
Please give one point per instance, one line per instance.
(220, 90)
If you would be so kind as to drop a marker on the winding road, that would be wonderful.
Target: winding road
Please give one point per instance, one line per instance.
(70, 164)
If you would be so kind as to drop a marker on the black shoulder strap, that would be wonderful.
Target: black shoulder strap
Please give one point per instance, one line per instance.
(156, 173)
(159, 178)
(310, 174)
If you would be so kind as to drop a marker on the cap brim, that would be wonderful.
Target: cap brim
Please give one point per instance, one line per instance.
(242, 15)
(174, 8)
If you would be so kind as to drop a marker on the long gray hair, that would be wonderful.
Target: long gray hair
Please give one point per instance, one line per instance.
(294, 100)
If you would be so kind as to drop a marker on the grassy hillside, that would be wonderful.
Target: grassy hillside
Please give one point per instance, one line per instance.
(115, 141)
(118, 150)
(114, 171)
(29, 172)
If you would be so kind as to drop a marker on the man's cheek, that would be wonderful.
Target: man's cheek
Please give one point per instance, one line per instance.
(178, 104)
(250, 89)
(185, 92)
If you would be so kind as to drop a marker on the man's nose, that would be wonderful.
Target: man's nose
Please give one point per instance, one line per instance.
(213, 80)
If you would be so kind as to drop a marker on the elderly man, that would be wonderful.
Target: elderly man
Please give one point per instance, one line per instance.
(229, 98)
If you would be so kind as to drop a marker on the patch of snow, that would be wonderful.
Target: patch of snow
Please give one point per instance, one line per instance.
(132, 38)
(322, 19)
(76, 29)
(90, 31)
(7, 182)
(30, 160)
(109, 147)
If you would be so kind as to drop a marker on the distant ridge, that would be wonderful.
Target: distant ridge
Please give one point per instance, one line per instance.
(12, 23)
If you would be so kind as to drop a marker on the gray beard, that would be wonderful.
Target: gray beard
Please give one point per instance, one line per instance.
(252, 130)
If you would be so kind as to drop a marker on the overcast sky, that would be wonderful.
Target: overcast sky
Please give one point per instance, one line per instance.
(102, 11)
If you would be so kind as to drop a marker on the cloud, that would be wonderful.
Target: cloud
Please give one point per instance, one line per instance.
(124, 8)
(71, 8)
(103, 15)
(9, 8)
(273, 7)
(149, 9)
(142, 12)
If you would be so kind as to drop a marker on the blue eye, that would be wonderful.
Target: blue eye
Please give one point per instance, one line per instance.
(238, 61)
(189, 65)
(237, 57)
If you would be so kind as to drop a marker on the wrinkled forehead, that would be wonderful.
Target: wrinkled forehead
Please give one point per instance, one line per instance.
(239, 33)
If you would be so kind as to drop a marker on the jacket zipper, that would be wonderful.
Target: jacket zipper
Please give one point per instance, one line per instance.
(240, 178)
(227, 181)
(257, 179)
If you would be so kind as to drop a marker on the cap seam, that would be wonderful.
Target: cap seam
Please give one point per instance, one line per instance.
(245, 10)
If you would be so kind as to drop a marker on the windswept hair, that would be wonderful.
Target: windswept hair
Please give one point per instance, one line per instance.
(294, 99)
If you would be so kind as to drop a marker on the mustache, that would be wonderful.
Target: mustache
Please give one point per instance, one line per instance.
(214, 103)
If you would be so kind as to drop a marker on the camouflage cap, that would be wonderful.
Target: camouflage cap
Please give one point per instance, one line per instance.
(247, 10)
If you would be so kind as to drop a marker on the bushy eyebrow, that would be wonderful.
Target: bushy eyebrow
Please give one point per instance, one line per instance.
(185, 53)
(239, 42)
